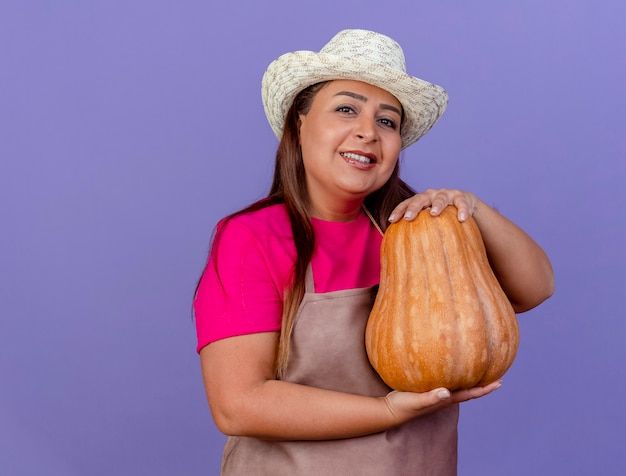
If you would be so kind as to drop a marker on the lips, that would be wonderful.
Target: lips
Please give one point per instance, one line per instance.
(361, 157)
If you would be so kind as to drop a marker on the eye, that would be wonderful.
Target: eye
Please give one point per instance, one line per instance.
(388, 123)
(345, 109)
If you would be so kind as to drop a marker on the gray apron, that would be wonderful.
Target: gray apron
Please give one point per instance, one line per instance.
(328, 351)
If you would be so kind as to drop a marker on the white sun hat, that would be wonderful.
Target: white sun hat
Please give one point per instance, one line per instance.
(358, 55)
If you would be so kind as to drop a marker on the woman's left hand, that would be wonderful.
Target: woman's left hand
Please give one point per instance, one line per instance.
(521, 266)
(437, 200)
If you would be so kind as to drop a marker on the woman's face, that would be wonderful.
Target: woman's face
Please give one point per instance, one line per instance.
(350, 141)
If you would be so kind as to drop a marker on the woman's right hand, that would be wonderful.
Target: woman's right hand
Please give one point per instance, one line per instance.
(406, 405)
(246, 400)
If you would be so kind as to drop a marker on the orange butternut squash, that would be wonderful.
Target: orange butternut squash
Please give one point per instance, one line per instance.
(440, 318)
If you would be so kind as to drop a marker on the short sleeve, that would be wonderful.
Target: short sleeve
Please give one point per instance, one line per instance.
(237, 294)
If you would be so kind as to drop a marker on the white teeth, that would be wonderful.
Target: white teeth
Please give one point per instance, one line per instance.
(360, 158)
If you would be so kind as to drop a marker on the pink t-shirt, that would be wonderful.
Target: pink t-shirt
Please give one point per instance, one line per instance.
(255, 254)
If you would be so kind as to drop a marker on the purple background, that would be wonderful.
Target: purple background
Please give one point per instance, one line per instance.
(127, 128)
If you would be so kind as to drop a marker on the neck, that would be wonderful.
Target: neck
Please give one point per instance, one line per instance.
(337, 212)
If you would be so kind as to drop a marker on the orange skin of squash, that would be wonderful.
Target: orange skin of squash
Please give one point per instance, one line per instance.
(440, 318)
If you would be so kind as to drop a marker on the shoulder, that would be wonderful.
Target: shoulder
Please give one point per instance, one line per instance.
(272, 219)
(266, 231)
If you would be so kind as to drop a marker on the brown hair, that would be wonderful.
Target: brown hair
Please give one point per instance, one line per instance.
(289, 188)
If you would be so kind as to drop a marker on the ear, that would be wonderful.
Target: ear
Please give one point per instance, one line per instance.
(299, 123)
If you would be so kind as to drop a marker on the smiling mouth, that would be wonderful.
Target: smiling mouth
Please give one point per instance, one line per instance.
(359, 158)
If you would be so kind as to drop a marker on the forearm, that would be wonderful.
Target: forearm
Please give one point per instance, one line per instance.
(282, 410)
(245, 400)
(521, 266)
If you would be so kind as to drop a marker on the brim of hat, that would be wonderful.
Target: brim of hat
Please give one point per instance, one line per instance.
(423, 102)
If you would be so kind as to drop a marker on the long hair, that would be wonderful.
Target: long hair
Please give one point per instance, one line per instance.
(289, 188)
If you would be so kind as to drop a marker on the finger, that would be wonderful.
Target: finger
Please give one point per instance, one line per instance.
(437, 398)
(476, 392)
(464, 205)
(433, 399)
(440, 200)
(406, 405)
(409, 208)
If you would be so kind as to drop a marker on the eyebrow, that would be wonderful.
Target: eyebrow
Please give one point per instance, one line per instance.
(359, 97)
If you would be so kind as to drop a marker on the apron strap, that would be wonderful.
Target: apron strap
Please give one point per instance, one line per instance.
(309, 283)
(374, 222)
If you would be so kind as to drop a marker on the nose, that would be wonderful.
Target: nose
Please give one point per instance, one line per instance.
(365, 129)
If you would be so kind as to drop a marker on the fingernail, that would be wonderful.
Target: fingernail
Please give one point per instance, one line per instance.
(443, 394)
(462, 216)
(392, 217)
(408, 215)
(434, 210)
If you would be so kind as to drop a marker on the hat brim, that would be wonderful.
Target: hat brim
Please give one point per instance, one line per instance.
(423, 102)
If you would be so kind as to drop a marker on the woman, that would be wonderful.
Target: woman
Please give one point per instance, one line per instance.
(282, 305)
